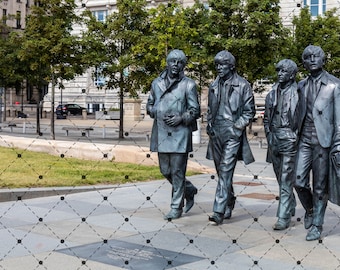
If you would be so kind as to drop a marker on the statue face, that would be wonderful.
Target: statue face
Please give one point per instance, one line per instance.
(174, 67)
(224, 69)
(313, 62)
(283, 75)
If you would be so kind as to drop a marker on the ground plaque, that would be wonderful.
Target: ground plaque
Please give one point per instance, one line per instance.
(130, 256)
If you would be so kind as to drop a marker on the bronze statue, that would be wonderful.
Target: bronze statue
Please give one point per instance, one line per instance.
(281, 132)
(230, 109)
(318, 118)
(173, 104)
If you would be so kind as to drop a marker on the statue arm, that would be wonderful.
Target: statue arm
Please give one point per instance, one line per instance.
(150, 105)
(266, 116)
(193, 110)
(336, 137)
(248, 110)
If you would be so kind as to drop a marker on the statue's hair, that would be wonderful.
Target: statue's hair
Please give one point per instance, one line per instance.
(225, 56)
(311, 49)
(289, 64)
(177, 54)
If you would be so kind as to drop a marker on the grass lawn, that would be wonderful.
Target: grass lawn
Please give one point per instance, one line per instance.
(22, 168)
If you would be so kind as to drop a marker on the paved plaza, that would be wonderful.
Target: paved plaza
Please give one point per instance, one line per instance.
(122, 227)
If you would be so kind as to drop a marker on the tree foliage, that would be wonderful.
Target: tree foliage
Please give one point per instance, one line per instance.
(324, 31)
(109, 44)
(49, 51)
(11, 70)
(251, 30)
(48, 44)
(168, 29)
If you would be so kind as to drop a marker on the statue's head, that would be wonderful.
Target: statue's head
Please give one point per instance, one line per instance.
(313, 58)
(225, 56)
(224, 64)
(175, 62)
(286, 70)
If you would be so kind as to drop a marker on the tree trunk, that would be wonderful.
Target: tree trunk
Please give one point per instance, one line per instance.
(121, 107)
(5, 105)
(52, 107)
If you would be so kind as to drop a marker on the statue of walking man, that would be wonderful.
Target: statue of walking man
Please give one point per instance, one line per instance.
(230, 109)
(173, 104)
(281, 132)
(318, 117)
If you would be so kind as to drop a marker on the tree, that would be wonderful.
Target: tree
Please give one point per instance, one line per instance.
(53, 53)
(11, 70)
(252, 31)
(113, 41)
(200, 64)
(263, 39)
(169, 29)
(226, 24)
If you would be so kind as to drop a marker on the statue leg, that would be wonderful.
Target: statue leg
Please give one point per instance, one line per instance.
(173, 167)
(287, 202)
(178, 169)
(303, 167)
(320, 184)
(224, 196)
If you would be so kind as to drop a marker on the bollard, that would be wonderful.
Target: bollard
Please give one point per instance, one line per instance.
(104, 132)
(84, 114)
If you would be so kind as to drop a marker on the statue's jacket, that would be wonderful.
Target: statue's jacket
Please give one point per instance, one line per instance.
(326, 109)
(180, 98)
(241, 101)
(271, 103)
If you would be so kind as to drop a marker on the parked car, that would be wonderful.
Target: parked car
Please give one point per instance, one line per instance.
(68, 109)
(21, 115)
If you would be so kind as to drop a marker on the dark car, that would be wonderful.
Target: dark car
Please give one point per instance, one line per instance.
(68, 109)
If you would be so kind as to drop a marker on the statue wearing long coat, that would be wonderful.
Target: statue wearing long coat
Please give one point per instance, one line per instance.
(326, 117)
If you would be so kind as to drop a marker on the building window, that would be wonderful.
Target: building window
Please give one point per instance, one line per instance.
(100, 15)
(317, 7)
(18, 19)
(99, 79)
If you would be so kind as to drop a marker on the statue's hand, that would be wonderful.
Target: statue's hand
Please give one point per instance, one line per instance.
(173, 120)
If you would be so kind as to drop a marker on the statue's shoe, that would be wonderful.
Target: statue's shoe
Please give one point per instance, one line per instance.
(173, 214)
(281, 224)
(216, 218)
(314, 233)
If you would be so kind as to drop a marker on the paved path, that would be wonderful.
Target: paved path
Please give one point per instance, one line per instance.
(122, 227)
